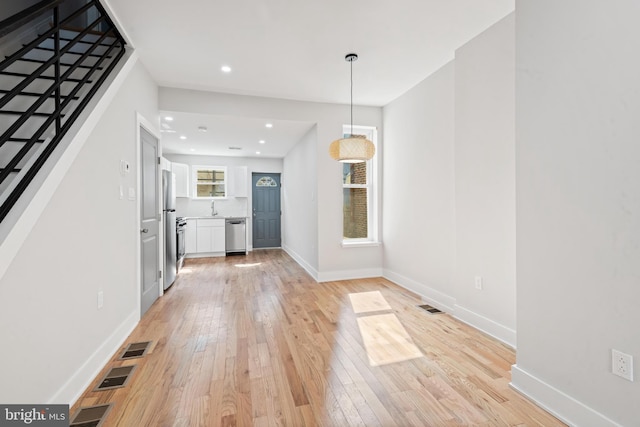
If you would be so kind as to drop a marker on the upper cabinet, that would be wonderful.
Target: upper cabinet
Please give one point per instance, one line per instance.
(182, 179)
(165, 164)
(209, 181)
(238, 182)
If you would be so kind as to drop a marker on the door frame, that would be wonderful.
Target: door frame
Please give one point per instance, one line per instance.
(147, 125)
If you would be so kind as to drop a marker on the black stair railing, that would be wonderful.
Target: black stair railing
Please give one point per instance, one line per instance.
(46, 84)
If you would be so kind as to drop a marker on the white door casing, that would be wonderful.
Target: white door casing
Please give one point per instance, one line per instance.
(150, 236)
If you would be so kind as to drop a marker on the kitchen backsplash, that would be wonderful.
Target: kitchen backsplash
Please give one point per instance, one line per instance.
(224, 207)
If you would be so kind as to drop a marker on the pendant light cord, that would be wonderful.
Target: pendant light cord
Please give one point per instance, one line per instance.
(351, 63)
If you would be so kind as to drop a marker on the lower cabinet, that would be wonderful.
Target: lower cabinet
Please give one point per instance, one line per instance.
(210, 236)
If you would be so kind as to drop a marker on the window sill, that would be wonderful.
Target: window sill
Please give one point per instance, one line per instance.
(361, 244)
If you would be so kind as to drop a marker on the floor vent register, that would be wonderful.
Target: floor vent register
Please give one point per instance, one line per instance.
(115, 378)
(90, 416)
(429, 309)
(136, 349)
(93, 416)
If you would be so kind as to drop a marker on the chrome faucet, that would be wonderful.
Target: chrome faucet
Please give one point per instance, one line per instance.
(213, 208)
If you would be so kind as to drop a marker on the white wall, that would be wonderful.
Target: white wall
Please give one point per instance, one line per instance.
(485, 180)
(578, 205)
(449, 185)
(300, 213)
(418, 188)
(54, 339)
(334, 261)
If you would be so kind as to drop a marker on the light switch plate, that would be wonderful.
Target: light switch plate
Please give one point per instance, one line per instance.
(124, 167)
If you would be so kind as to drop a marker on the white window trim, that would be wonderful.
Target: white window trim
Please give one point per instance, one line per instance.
(372, 190)
(194, 181)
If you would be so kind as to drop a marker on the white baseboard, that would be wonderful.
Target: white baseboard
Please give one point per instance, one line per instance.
(205, 255)
(303, 263)
(556, 402)
(364, 273)
(488, 326)
(448, 304)
(78, 383)
(436, 298)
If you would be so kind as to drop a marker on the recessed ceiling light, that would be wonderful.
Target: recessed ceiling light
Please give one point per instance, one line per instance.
(257, 152)
(169, 118)
(269, 125)
(202, 128)
(183, 137)
(192, 149)
(262, 141)
(225, 69)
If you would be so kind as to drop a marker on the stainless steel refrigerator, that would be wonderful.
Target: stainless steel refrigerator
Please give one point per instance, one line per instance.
(169, 217)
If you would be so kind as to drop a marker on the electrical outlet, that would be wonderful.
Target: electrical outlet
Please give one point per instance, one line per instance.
(622, 364)
(478, 282)
(100, 299)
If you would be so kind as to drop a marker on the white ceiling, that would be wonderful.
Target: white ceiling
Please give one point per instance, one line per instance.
(294, 49)
(222, 132)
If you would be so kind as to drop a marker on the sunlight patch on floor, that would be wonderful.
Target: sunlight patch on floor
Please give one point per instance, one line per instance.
(384, 338)
(365, 302)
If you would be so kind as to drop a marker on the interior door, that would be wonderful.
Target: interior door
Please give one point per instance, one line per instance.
(266, 210)
(149, 221)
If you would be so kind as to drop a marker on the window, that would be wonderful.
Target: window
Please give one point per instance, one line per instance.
(266, 181)
(358, 196)
(209, 182)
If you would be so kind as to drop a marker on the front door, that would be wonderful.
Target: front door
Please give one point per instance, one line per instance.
(149, 221)
(266, 210)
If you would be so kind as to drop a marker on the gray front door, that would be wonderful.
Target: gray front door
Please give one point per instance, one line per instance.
(149, 221)
(266, 210)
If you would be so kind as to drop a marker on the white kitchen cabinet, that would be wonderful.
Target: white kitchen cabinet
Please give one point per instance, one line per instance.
(238, 182)
(191, 237)
(181, 172)
(210, 235)
(165, 164)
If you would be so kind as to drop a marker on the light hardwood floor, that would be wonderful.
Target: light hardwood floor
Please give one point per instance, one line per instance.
(255, 341)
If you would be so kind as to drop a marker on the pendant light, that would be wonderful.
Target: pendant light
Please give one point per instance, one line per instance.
(353, 148)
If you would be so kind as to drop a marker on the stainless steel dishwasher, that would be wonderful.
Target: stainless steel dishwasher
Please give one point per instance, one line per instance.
(235, 236)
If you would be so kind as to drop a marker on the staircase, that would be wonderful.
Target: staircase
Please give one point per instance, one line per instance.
(54, 62)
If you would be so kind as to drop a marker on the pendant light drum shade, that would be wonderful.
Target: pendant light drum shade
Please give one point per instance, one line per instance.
(354, 148)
